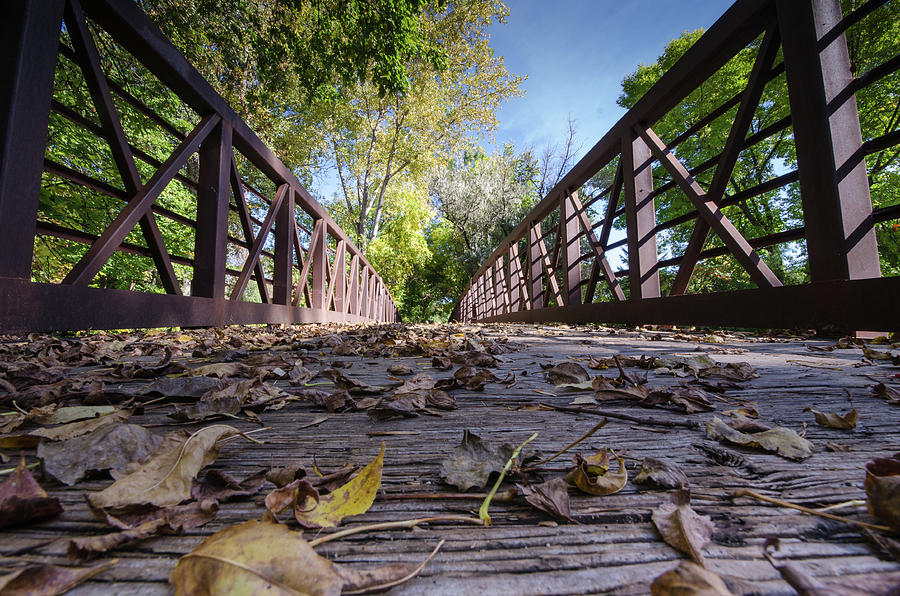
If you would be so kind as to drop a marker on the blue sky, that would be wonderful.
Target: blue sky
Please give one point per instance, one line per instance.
(575, 54)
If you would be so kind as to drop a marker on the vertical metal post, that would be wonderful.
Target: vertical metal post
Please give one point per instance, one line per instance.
(535, 267)
(29, 34)
(640, 217)
(354, 285)
(340, 279)
(570, 247)
(834, 188)
(319, 266)
(282, 280)
(363, 292)
(213, 198)
(515, 272)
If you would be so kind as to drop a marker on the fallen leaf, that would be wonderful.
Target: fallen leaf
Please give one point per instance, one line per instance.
(111, 447)
(73, 413)
(223, 487)
(473, 462)
(691, 364)
(48, 580)
(167, 477)
(268, 558)
(441, 363)
(220, 370)
(780, 440)
(341, 381)
(689, 400)
(170, 520)
(887, 392)
(419, 382)
(567, 373)
(682, 528)
(661, 473)
(883, 489)
(62, 432)
(352, 498)
(689, 579)
(876, 354)
(400, 369)
(606, 390)
(551, 497)
(23, 501)
(228, 398)
(734, 371)
(834, 420)
(592, 476)
(181, 386)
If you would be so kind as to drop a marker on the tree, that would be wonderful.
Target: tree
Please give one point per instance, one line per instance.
(871, 42)
(376, 139)
(281, 64)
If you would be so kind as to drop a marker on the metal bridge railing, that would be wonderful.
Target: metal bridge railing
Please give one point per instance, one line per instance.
(304, 266)
(572, 279)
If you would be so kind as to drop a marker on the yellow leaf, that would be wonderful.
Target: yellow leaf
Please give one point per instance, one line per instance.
(353, 498)
(184, 338)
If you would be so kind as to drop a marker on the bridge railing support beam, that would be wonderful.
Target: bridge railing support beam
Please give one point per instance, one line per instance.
(834, 188)
(29, 36)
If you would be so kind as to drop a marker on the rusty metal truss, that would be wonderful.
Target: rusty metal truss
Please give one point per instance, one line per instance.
(803, 40)
(327, 279)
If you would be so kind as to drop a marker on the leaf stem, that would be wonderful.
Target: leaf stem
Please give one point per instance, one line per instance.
(483, 510)
(746, 492)
(600, 425)
(403, 524)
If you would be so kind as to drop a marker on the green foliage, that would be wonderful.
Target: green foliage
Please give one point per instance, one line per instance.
(871, 42)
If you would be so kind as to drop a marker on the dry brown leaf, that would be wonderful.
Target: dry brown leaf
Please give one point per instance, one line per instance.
(550, 497)
(604, 389)
(223, 487)
(342, 381)
(400, 369)
(689, 579)
(170, 520)
(167, 477)
(268, 558)
(661, 473)
(62, 432)
(883, 489)
(780, 440)
(834, 420)
(111, 447)
(23, 501)
(473, 462)
(221, 370)
(592, 476)
(733, 371)
(68, 414)
(567, 373)
(48, 580)
(889, 393)
(682, 528)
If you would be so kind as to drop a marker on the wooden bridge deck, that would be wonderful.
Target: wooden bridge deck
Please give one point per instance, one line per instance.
(614, 547)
